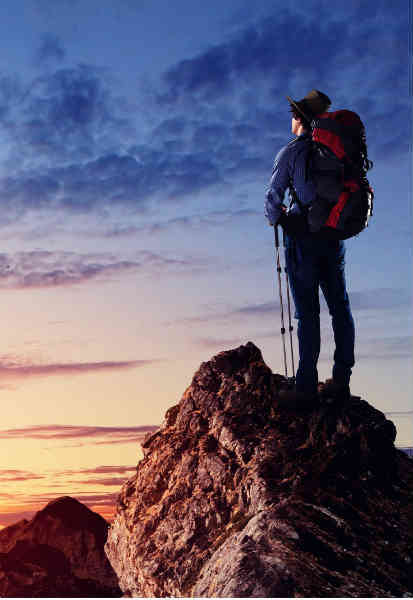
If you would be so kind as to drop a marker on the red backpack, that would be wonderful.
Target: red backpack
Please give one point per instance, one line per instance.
(344, 201)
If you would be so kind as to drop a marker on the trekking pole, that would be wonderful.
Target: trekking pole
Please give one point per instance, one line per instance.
(277, 249)
(290, 325)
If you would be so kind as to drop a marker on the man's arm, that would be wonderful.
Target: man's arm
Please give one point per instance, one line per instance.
(279, 182)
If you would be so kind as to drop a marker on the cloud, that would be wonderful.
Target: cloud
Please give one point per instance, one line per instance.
(100, 470)
(273, 49)
(67, 116)
(380, 298)
(262, 309)
(101, 475)
(40, 268)
(232, 342)
(360, 64)
(111, 181)
(69, 109)
(17, 475)
(213, 119)
(209, 342)
(389, 348)
(108, 481)
(103, 435)
(24, 369)
(211, 219)
(102, 500)
(105, 475)
(373, 299)
(43, 268)
(50, 49)
(120, 230)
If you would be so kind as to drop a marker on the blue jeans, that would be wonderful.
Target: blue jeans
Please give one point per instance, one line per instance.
(312, 263)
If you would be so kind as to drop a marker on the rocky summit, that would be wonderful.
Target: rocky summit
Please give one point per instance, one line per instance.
(236, 497)
(59, 553)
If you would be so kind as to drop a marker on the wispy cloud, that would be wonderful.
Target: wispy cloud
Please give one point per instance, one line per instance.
(106, 500)
(232, 342)
(207, 112)
(365, 300)
(106, 481)
(256, 310)
(63, 111)
(101, 475)
(99, 435)
(210, 219)
(396, 347)
(70, 482)
(380, 298)
(25, 369)
(43, 268)
(17, 475)
(100, 470)
(271, 54)
(210, 342)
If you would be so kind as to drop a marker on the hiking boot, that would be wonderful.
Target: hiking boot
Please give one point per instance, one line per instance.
(296, 400)
(334, 389)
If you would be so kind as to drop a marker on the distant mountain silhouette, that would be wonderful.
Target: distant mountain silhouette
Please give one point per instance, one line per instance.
(236, 496)
(58, 553)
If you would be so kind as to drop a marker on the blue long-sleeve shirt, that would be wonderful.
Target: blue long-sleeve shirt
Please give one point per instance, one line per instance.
(289, 168)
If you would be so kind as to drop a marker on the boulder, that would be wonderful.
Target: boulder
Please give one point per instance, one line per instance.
(237, 497)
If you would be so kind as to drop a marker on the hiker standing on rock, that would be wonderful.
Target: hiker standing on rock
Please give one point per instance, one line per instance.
(313, 260)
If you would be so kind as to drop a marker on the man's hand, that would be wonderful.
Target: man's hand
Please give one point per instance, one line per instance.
(274, 210)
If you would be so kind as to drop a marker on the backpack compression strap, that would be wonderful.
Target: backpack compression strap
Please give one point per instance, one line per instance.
(349, 186)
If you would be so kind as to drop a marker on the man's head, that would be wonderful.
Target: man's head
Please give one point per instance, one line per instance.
(305, 110)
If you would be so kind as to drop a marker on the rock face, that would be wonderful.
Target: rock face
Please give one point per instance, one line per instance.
(237, 497)
(59, 553)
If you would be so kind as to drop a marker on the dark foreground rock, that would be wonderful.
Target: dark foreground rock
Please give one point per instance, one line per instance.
(236, 497)
(59, 553)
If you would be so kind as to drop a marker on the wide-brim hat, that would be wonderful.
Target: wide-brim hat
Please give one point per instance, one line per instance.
(312, 105)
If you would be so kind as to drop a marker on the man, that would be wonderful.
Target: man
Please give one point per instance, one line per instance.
(311, 262)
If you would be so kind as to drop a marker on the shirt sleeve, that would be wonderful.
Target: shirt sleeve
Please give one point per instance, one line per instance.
(279, 182)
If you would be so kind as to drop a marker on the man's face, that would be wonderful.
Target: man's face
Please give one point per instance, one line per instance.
(295, 125)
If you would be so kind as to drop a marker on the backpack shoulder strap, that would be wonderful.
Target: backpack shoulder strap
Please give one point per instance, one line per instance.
(295, 198)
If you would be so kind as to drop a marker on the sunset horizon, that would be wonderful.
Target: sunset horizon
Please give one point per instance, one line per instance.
(135, 155)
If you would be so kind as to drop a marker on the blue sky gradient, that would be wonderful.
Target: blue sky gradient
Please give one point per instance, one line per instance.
(137, 141)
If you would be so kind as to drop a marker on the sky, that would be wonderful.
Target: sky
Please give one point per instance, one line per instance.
(137, 139)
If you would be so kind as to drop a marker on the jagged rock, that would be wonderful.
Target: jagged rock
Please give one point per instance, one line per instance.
(9, 535)
(236, 497)
(59, 553)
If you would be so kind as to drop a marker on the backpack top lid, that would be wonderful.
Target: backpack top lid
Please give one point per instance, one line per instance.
(339, 131)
